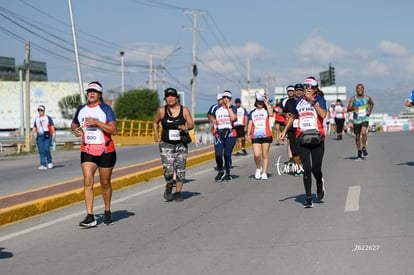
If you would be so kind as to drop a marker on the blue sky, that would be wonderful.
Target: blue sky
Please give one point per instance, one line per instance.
(367, 42)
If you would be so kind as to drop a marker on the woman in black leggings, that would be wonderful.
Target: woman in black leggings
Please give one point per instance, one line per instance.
(311, 111)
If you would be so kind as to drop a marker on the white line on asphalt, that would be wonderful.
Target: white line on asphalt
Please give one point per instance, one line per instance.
(352, 199)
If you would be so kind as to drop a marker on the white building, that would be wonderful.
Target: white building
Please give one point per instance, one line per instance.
(41, 93)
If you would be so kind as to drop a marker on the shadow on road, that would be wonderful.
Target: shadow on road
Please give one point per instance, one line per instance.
(301, 199)
(408, 163)
(5, 254)
(116, 216)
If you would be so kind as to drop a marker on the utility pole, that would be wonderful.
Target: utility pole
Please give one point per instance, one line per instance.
(75, 45)
(122, 53)
(21, 101)
(150, 72)
(194, 66)
(248, 74)
(27, 96)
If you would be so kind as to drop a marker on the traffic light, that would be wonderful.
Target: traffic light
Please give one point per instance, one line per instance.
(332, 75)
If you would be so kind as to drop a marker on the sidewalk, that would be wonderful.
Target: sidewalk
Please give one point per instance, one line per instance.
(26, 204)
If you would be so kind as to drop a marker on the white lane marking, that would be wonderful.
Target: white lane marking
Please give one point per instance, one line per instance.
(80, 213)
(352, 199)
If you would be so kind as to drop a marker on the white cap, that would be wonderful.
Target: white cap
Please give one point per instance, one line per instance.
(260, 97)
(95, 86)
(228, 94)
(219, 96)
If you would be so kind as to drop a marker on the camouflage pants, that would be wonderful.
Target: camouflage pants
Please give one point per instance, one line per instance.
(173, 158)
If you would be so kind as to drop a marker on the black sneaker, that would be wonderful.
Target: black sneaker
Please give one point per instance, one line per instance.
(178, 196)
(244, 151)
(220, 176)
(108, 218)
(359, 157)
(89, 221)
(320, 190)
(228, 177)
(168, 192)
(308, 203)
(364, 152)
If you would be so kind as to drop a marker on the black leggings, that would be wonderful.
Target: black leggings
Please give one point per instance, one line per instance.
(339, 125)
(311, 158)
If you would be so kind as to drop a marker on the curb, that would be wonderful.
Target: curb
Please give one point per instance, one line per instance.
(36, 207)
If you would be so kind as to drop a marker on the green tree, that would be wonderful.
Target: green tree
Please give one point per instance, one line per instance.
(137, 105)
(68, 105)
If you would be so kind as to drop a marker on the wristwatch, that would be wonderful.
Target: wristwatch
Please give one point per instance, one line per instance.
(313, 102)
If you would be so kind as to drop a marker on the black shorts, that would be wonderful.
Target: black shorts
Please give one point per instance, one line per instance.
(281, 123)
(358, 127)
(104, 161)
(262, 140)
(293, 142)
(240, 131)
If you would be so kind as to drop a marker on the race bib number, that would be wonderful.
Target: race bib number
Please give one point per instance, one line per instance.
(362, 112)
(295, 123)
(94, 136)
(174, 135)
(260, 124)
(224, 126)
(307, 122)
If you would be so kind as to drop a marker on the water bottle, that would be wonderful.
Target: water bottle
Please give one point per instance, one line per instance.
(54, 146)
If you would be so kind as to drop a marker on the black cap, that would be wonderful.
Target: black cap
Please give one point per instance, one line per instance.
(170, 91)
(299, 86)
(237, 100)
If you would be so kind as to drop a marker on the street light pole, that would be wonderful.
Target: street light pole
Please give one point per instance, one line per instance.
(122, 72)
(75, 46)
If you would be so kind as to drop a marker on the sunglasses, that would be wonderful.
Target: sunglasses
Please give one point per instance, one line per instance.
(309, 86)
(40, 110)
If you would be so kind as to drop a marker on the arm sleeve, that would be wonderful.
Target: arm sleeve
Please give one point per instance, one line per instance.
(50, 121)
(321, 101)
(75, 118)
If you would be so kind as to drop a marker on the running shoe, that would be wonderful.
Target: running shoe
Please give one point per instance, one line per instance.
(244, 151)
(41, 167)
(296, 174)
(168, 192)
(258, 173)
(308, 203)
(359, 157)
(89, 221)
(264, 176)
(320, 190)
(178, 196)
(108, 218)
(220, 176)
(50, 165)
(228, 177)
(364, 152)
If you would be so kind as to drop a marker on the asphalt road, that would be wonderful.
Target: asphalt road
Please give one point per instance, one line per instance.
(20, 173)
(364, 225)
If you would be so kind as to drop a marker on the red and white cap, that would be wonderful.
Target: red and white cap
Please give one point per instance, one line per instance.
(311, 81)
(227, 94)
(94, 86)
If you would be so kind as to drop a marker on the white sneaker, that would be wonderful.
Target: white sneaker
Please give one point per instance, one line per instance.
(264, 176)
(41, 167)
(50, 165)
(258, 174)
